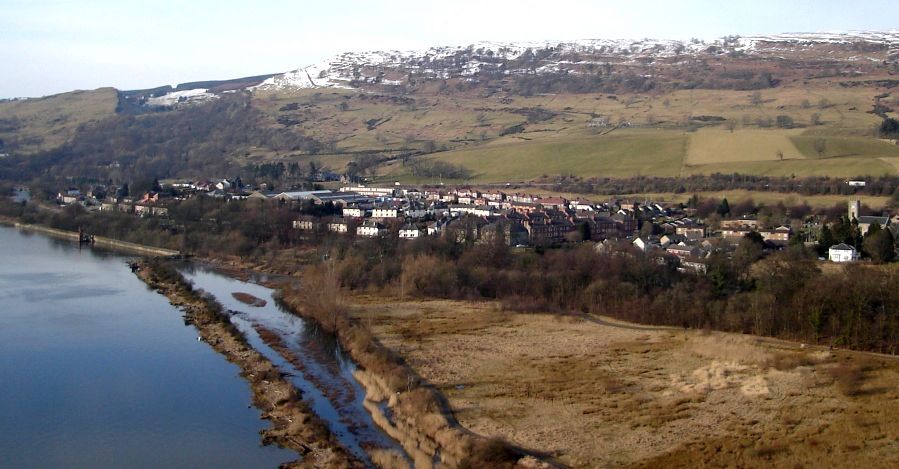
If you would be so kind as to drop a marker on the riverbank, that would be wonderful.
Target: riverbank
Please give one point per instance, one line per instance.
(294, 424)
(99, 241)
(407, 407)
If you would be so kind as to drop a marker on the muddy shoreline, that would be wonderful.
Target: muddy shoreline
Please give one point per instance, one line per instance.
(293, 424)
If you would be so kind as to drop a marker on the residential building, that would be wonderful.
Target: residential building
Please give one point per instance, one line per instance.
(338, 225)
(371, 229)
(384, 213)
(842, 253)
(409, 232)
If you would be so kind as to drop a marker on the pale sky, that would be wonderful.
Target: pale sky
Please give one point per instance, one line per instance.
(53, 46)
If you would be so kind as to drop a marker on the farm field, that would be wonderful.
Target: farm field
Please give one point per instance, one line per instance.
(712, 146)
(619, 154)
(605, 393)
(733, 196)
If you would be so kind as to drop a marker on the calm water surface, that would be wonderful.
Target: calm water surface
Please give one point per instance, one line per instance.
(98, 371)
(326, 375)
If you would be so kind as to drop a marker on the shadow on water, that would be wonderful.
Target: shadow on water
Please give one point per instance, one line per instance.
(311, 356)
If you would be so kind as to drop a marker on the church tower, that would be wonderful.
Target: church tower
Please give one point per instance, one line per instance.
(854, 206)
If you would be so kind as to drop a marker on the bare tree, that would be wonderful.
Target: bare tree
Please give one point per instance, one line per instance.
(820, 146)
(756, 98)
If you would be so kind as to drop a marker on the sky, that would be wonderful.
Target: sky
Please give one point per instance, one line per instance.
(53, 46)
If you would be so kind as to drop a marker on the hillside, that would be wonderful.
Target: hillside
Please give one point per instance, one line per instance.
(798, 104)
(44, 123)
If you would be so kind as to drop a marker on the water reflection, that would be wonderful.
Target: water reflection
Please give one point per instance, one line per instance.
(99, 371)
(322, 371)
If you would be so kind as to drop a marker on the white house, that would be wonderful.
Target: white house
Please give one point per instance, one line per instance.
(842, 253)
(353, 212)
(641, 244)
(303, 224)
(409, 232)
(385, 213)
(338, 226)
(371, 229)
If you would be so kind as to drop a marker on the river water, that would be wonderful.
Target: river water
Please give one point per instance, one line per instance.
(325, 374)
(98, 371)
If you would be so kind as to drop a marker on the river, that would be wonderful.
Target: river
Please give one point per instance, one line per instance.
(325, 372)
(97, 370)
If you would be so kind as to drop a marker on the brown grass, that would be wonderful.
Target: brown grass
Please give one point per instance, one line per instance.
(595, 396)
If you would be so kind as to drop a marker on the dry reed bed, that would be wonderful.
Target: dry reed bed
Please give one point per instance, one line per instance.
(418, 418)
(599, 395)
(293, 424)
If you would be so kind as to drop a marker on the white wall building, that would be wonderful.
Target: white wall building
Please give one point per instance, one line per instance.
(842, 253)
(385, 213)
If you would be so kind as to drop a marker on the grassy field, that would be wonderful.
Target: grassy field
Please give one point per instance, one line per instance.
(614, 394)
(624, 153)
(733, 196)
(711, 146)
(46, 123)
(835, 167)
(845, 147)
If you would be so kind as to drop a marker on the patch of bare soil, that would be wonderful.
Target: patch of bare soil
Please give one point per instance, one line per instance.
(611, 394)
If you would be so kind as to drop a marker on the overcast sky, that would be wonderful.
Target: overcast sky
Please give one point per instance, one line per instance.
(49, 47)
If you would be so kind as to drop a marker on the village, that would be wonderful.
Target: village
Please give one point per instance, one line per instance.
(668, 232)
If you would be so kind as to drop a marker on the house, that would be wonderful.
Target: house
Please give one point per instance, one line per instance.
(107, 206)
(479, 211)
(143, 210)
(543, 229)
(21, 195)
(409, 232)
(842, 253)
(683, 251)
(641, 244)
(383, 213)
(353, 212)
(556, 203)
(779, 235)
(304, 224)
(371, 229)
(748, 223)
(149, 198)
(436, 227)
(338, 225)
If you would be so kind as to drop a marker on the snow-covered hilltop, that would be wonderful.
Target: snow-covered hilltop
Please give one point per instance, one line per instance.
(354, 69)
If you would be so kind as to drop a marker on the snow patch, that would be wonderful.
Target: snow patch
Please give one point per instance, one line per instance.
(176, 97)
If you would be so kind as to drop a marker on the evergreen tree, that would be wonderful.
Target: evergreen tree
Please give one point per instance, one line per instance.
(878, 244)
(825, 238)
(723, 207)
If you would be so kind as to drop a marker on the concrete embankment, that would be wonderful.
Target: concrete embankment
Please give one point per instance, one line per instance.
(100, 241)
